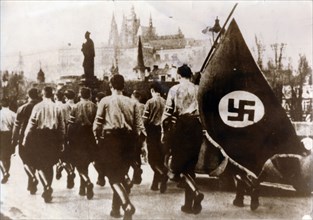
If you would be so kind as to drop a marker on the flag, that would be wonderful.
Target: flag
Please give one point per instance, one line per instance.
(238, 107)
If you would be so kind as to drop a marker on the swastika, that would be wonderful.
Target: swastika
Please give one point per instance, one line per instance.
(241, 110)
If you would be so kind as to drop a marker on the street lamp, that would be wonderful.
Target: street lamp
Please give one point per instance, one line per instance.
(216, 28)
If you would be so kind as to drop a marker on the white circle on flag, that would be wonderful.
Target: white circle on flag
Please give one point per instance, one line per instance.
(240, 109)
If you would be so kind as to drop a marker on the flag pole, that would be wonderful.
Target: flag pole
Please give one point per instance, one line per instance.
(217, 38)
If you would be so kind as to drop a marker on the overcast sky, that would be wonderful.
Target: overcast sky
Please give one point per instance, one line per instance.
(38, 26)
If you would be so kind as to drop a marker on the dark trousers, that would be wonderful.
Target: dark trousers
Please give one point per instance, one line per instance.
(186, 144)
(156, 152)
(6, 148)
(44, 147)
(116, 152)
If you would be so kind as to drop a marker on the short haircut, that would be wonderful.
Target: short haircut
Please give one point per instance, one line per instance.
(70, 94)
(48, 92)
(33, 93)
(184, 71)
(137, 95)
(5, 102)
(156, 86)
(117, 82)
(60, 95)
(100, 95)
(85, 92)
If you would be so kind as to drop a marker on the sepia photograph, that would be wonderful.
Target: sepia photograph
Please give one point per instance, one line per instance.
(114, 109)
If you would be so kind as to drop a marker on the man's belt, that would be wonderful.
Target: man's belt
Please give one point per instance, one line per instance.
(116, 131)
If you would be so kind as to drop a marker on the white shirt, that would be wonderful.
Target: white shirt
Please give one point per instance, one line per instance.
(7, 118)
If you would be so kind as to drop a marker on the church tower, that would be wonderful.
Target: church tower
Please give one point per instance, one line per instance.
(129, 30)
(135, 24)
(113, 37)
(150, 21)
(151, 35)
(123, 34)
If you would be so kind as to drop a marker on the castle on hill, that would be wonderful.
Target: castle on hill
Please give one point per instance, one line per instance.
(131, 28)
(122, 47)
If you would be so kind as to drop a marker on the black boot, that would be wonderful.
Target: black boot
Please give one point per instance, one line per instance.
(70, 170)
(137, 176)
(155, 182)
(187, 207)
(197, 196)
(252, 183)
(240, 190)
(89, 188)
(32, 185)
(5, 178)
(101, 177)
(47, 193)
(254, 199)
(162, 177)
(82, 187)
(70, 180)
(128, 184)
(116, 205)
(101, 180)
(128, 208)
(59, 169)
(5, 172)
(85, 182)
(137, 171)
(32, 180)
(129, 211)
(163, 184)
(116, 214)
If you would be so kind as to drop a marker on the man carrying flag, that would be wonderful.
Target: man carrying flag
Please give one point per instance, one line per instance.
(187, 136)
(240, 111)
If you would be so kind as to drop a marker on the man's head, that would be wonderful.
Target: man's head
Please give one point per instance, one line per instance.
(48, 92)
(99, 96)
(5, 102)
(136, 95)
(156, 87)
(85, 93)
(184, 71)
(59, 96)
(69, 94)
(33, 94)
(117, 82)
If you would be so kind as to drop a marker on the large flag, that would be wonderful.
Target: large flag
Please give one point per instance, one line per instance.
(239, 109)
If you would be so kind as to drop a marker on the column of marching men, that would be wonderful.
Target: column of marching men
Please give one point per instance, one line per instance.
(109, 134)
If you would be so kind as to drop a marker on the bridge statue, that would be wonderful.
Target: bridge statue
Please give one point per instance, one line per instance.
(88, 50)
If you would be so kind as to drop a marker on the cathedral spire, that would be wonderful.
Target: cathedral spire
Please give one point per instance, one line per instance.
(180, 33)
(20, 62)
(150, 21)
(123, 35)
(113, 37)
(133, 14)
